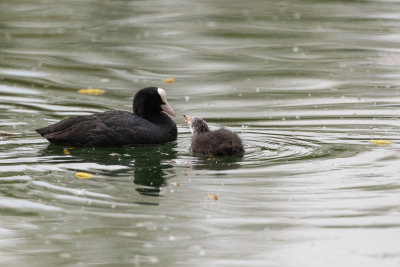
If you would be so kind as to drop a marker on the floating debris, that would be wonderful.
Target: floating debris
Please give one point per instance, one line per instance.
(92, 91)
(84, 175)
(169, 80)
(176, 184)
(210, 196)
(381, 142)
(67, 149)
(7, 134)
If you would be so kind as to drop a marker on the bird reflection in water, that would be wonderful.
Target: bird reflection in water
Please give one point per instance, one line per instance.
(152, 165)
(152, 168)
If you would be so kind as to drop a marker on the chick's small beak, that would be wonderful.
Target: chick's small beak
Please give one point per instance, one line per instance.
(186, 118)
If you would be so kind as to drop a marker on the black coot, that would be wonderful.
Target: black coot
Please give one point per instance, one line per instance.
(146, 125)
(221, 142)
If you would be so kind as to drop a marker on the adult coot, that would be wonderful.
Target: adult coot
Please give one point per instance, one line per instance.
(146, 125)
(222, 142)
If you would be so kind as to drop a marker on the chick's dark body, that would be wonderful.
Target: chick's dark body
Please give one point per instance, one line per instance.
(220, 142)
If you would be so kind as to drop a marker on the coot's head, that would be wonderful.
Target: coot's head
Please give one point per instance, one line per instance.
(196, 124)
(151, 101)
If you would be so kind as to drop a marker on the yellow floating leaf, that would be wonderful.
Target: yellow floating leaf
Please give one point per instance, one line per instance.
(92, 91)
(210, 196)
(381, 142)
(67, 149)
(169, 80)
(84, 175)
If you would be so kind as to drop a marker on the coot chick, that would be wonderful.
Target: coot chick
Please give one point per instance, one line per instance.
(146, 125)
(221, 142)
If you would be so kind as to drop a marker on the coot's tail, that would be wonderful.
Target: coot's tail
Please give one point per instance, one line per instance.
(59, 126)
(42, 131)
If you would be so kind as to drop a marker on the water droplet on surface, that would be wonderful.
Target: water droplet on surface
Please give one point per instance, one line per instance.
(65, 255)
(211, 24)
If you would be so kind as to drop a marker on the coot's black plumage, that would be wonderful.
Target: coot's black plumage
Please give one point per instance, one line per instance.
(146, 125)
(221, 142)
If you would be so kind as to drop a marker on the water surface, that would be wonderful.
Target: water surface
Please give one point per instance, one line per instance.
(306, 84)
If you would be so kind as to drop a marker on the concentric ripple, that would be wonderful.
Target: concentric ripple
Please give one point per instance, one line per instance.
(278, 146)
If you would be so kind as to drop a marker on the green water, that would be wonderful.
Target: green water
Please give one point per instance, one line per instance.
(306, 84)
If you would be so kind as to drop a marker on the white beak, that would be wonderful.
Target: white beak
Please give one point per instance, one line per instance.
(168, 109)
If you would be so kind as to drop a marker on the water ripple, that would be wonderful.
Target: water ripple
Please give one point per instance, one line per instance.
(21, 205)
(306, 85)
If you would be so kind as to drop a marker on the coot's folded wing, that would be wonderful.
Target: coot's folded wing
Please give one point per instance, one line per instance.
(61, 125)
(111, 128)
